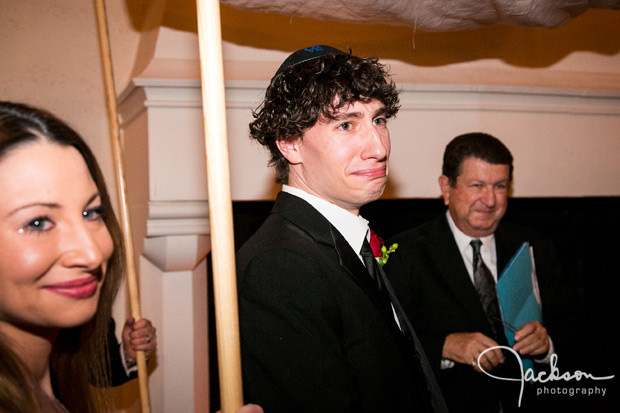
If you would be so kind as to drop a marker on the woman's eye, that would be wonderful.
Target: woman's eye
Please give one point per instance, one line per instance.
(38, 224)
(94, 214)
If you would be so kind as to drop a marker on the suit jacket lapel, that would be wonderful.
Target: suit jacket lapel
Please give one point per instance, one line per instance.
(453, 271)
(309, 220)
(351, 262)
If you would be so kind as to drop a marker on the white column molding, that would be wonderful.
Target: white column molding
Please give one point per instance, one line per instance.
(508, 99)
(177, 218)
(177, 252)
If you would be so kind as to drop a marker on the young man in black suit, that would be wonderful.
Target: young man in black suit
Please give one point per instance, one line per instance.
(317, 332)
(434, 276)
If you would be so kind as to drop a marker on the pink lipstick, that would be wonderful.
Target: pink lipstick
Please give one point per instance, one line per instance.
(77, 289)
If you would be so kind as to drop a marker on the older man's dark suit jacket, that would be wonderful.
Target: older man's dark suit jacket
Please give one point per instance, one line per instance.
(314, 336)
(434, 287)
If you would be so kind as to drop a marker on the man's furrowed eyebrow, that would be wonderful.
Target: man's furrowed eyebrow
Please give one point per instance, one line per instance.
(482, 181)
(380, 111)
(357, 115)
(347, 115)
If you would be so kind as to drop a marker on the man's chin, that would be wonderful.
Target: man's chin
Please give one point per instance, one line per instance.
(484, 228)
(375, 194)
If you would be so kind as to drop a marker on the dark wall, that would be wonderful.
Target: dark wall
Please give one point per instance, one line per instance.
(585, 232)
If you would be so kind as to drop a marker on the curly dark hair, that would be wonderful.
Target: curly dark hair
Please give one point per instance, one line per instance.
(474, 145)
(319, 88)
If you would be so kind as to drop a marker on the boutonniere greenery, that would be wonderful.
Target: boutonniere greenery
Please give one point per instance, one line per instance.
(379, 250)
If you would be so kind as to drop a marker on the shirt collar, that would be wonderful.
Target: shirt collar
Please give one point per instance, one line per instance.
(353, 228)
(463, 241)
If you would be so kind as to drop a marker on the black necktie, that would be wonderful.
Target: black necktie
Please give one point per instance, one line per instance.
(485, 286)
(385, 290)
(371, 263)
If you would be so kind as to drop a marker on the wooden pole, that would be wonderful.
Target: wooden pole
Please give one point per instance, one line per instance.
(220, 205)
(132, 283)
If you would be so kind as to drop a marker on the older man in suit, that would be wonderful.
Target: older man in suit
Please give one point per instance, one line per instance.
(318, 332)
(439, 273)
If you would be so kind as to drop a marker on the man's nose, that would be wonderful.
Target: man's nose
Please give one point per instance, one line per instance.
(489, 197)
(377, 143)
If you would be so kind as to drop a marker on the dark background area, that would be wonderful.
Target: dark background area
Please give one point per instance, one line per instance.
(585, 232)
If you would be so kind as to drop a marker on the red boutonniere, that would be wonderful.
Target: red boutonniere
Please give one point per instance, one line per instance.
(379, 250)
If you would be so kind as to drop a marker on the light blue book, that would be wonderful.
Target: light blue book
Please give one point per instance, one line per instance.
(518, 294)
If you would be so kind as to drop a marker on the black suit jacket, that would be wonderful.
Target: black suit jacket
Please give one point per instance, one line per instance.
(430, 278)
(314, 335)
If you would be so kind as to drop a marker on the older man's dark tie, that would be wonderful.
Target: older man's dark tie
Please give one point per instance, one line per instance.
(485, 286)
